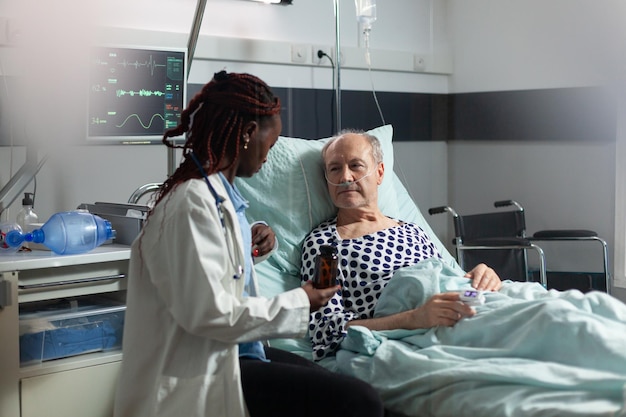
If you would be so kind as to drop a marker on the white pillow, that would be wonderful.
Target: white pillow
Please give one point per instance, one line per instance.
(290, 193)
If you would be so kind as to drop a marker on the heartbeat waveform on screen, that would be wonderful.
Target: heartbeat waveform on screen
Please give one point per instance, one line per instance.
(151, 64)
(140, 93)
(140, 122)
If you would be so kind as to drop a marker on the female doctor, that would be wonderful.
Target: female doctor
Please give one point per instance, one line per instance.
(193, 321)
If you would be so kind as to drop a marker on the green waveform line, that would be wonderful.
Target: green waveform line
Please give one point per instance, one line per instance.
(140, 122)
(141, 93)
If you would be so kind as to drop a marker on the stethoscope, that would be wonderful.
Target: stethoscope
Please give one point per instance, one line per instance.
(219, 204)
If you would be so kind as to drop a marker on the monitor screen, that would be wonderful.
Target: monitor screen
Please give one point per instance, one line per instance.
(135, 93)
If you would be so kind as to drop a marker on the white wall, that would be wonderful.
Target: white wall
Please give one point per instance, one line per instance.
(85, 174)
(530, 44)
(534, 44)
(306, 21)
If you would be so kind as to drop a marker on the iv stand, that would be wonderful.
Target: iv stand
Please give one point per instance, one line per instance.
(337, 66)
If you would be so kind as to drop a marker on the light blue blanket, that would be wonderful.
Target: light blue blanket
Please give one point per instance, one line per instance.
(527, 352)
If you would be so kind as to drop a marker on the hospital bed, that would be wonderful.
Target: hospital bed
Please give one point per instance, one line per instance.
(438, 379)
(290, 194)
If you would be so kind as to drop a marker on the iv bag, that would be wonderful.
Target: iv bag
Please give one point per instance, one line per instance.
(365, 13)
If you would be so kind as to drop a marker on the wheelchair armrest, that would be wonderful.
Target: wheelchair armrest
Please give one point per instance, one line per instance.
(561, 234)
(437, 210)
(496, 242)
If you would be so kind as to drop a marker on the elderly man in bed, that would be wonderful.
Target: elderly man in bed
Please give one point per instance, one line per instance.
(560, 353)
(354, 169)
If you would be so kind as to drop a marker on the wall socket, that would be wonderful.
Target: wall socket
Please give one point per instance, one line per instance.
(419, 63)
(324, 59)
(299, 54)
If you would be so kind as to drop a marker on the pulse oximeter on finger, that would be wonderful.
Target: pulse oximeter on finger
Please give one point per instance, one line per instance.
(472, 297)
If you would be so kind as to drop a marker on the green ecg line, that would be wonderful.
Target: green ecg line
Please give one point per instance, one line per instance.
(140, 122)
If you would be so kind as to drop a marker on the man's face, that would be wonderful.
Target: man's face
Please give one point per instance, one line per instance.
(352, 174)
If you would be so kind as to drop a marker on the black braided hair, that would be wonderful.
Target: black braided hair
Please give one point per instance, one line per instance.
(214, 122)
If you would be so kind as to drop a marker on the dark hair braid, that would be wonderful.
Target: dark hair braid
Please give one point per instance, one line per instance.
(214, 121)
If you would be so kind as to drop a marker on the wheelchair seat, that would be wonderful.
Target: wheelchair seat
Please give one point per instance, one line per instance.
(562, 280)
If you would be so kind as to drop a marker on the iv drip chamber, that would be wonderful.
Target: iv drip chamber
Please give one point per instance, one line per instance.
(365, 13)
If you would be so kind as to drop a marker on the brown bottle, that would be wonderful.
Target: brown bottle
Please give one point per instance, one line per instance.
(326, 267)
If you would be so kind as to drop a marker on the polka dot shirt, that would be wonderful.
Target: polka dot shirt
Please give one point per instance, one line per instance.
(366, 264)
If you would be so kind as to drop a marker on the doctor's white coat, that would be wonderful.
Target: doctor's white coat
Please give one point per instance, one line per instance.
(185, 314)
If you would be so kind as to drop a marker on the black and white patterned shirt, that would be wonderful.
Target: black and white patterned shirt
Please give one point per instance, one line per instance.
(366, 264)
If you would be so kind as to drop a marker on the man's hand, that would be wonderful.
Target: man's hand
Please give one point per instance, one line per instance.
(484, 278)
(445, 309)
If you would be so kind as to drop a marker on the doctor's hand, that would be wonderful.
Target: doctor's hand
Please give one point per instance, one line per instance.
(263, 239)
(319, 297)
(484, 278)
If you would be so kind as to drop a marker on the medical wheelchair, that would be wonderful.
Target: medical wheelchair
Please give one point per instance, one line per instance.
(499, 240)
